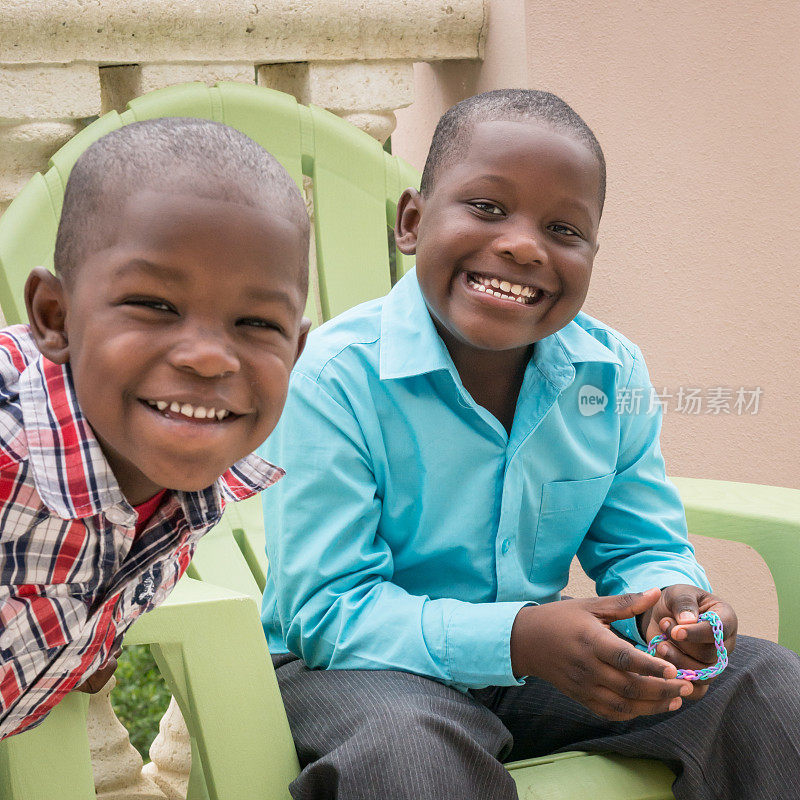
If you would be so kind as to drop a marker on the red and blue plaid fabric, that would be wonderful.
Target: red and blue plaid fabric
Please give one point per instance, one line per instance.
(73, 575)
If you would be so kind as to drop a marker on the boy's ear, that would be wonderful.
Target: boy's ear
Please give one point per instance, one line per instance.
(47, 314)
(409, 213)
(305, 327)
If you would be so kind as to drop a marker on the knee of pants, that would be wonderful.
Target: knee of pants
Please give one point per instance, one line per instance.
(423, 735)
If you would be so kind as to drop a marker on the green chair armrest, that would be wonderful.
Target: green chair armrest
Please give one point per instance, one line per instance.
(210, 647)
(767, 518)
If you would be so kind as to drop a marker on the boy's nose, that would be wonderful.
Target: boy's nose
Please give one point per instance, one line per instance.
(205, 354)
(521, 246)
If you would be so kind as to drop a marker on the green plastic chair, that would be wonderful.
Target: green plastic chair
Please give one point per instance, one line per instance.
(207, 637)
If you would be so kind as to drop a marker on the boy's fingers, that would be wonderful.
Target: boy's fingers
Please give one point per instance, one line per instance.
(683, 604)
(635, 687)
(698, 633)
(625, 606)
(612, 706)
(625, 657)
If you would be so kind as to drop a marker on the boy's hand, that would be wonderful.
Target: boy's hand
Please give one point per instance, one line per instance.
(100, 678)
(690, 643)
(570, 644)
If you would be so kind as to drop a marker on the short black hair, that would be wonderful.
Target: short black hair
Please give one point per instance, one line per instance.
(207, 158)
(452, 135)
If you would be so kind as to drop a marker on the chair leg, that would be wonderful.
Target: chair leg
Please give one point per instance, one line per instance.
(52, 760)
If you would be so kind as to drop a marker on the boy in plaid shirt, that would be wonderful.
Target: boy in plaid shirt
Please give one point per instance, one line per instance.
(156, 360)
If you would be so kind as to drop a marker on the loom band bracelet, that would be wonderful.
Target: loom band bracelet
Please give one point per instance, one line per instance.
(722, 653)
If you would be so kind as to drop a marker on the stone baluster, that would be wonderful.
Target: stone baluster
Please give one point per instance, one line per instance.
(116, 763)
(170, 755)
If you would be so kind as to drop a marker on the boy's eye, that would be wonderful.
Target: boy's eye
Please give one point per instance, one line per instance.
(257, 322)
(564, 230)
(150, 302)
(487, 207)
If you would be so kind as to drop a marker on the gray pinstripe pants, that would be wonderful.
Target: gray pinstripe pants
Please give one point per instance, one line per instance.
(388, 735)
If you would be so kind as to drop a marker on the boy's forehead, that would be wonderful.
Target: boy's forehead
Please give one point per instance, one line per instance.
(504, 141)
(504, 149)
(173, 227)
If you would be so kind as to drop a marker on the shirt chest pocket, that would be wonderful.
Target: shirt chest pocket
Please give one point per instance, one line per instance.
(568, 509)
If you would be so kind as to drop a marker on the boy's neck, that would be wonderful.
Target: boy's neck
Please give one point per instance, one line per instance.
(493, 378)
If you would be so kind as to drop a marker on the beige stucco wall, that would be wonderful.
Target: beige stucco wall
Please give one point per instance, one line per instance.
(697, 106)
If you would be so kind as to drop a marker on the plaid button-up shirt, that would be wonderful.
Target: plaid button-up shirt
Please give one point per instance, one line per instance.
(73, 574)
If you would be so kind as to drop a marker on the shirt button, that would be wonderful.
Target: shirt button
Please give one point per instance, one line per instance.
(116, 515)
(505, 546)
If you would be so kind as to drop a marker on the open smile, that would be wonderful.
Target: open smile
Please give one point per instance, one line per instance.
(187, 411)
(519, 293)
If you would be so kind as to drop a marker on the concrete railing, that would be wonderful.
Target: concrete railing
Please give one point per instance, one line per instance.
(64, 62)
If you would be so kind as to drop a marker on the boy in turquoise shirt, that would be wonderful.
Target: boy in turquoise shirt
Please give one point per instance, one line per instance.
(451, 468)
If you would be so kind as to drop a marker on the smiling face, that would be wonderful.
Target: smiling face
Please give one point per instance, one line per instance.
(506, 239)
(181, 333)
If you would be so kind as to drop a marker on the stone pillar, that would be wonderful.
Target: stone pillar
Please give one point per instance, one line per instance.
(366, 93)
(41, 107)
(118, 85)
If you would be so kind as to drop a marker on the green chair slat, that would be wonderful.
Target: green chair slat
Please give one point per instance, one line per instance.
(247, 521)
(185, 100)
(51, 760)
(27, 232)
(268, 117)
(219, 560)
(350, 214)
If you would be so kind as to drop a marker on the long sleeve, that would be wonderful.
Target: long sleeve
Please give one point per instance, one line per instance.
(639, 539)
(332, 572)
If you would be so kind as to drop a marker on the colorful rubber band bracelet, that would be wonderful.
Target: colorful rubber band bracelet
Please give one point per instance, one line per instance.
(722, 653)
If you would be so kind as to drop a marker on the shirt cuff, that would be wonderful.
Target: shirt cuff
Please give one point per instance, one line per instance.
(479, 644)
(630, 630)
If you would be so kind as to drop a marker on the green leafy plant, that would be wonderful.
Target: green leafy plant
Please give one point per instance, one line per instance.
(140, 697)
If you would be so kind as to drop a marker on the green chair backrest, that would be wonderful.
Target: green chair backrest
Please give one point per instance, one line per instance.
(355, 187)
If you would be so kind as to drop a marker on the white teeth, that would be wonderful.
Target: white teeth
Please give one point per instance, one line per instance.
(506, 290)
(188, 410)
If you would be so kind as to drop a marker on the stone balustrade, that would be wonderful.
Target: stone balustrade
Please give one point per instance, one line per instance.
(64, 62)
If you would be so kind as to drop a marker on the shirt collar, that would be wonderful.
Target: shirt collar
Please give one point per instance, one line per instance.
(411, 345)
(73, 477)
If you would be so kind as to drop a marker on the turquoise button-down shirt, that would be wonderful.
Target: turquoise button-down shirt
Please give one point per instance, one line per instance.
(411, 528)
